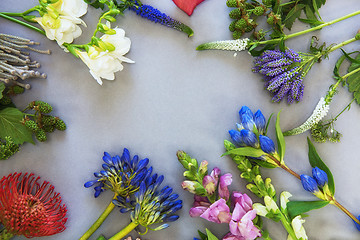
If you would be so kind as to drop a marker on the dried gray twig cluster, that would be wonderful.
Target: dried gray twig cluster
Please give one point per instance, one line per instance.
(15, 62)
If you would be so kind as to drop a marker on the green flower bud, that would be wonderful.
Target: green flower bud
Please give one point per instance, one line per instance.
(41, 135)
(232, 3)
(60, 124)
(17, 89)
(235, 14)
(241, 24)
(254, 189)
(232, 26)
(31, 125)
(49, 128)
(48, 120)
(249, 28)
(258, 11)
(270, 20)
(237, 34)
(43, 107)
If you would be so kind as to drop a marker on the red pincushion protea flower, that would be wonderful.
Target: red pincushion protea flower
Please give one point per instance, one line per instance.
(30, 208)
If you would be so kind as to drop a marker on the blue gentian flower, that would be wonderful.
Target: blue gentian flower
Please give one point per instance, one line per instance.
(320, 176)
(309, 183)
(155, 15)
(236, 137)
(122, 175)
(260, 121)
(249, 138)
(282, 74)
(266, 144)
(153, 205)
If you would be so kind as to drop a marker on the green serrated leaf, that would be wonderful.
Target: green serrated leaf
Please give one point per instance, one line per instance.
(10, 125)
(2, 88)
(280, 138)
(293, 14)
(210, 235)
(315, 161)
(246, 151)
(353, 60)
(296, 208)
(353, 80)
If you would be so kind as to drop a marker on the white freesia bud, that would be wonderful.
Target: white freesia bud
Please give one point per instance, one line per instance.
(298, 228)
(319, 112)
(61, 21)
(284, 199)
(103, 64)
(260, 209)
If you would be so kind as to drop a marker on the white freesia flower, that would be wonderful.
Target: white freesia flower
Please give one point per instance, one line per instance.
(298, 228)
(104, 63)
(61, 20)
(319, 113)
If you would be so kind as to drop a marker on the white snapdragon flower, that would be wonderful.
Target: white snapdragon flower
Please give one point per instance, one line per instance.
(104, 63)
(270, 205)
(62, 19)
(284, 199)
(297, 224)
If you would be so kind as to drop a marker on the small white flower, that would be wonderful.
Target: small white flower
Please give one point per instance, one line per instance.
(104, 63)
(230, 45)
(270, 204)
(284, 199)
(61, 20)
(260, 209)
(297, 224)
(319, 113)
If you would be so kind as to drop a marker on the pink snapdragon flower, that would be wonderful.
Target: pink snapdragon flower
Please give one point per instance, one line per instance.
(241, 224)
(210, 182)
(201, 204)
(218, 212)
(225, 181)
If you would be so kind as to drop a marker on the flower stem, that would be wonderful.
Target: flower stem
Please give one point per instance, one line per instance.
(125, 231)
(283, 166)
(277, 40)
(342, 208)
(3, 15)
(341, 44)
(288, 227)
(99, 221)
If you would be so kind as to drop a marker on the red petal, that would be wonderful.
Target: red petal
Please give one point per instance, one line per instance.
(187, 6)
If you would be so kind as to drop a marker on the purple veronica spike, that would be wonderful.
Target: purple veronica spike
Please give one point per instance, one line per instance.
(282, 74)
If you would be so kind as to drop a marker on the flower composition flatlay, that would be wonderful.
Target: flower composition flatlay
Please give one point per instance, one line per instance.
(29, 207)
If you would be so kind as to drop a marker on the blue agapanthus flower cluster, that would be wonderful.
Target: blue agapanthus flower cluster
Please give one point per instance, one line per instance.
(151, 205)
(282, 73)
(155, 15)
(122, 175)
(251, 131)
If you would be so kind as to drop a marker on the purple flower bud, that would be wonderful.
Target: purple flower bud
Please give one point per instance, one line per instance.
(309, 183)
(249, 138)
(266, 144)
(225, 181)
(320, 176)
(215, 173)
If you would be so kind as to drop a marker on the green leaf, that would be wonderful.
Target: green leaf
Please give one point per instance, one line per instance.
(210, 235)
(353, 60)
(246, 151)
(293, 14)
(313, 23)
(267, 124)
(256, 53)
(202, 235)
(353, 80)
(263, 163)
(2, 88)
(10, 125)
(337, 66)
(282, 45)
(296, 208)
(95, 4)
(280, 138)
(315, 161)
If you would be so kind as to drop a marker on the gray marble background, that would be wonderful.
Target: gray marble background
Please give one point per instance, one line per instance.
(174, 98)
